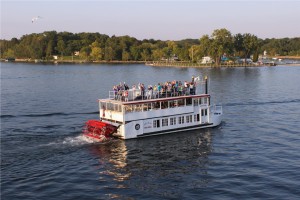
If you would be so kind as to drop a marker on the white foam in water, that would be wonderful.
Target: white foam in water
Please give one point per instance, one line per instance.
(72, 141)
(79, 140)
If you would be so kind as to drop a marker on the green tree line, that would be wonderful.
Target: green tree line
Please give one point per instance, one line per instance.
(101, 47)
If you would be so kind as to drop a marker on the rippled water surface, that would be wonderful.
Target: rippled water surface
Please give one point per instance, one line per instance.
(254, 154)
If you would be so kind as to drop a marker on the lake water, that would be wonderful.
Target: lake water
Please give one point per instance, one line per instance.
(254, 154)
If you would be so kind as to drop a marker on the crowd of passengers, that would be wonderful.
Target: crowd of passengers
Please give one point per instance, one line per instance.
(161, 90)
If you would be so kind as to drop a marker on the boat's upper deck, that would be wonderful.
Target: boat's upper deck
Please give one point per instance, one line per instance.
(122, 94)
(168, 95)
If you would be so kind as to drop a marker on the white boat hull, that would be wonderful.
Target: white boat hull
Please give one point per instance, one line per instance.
(145, 127)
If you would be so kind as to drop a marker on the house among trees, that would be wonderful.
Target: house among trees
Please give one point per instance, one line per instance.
(206, 60)
(174, 57)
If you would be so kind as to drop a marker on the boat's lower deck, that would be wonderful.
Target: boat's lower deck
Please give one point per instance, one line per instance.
(169, 124)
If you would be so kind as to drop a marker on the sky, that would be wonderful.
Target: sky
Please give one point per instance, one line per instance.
(156, 19)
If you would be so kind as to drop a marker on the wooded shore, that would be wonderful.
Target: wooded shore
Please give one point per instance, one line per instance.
(155, 63)
(149, 63)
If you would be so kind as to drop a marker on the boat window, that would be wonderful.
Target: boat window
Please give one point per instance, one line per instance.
(181, 119)
(204, 100)
(173, 121)
(189, 119)
(196, 102)
(128, 108)
(107, 106)
(196, 118)
(189, 101)
(103, 106)
(180, 102)
(155, 105)
(165, 122)
(204, 112)
(175, 103)
(117, 108)
(138, 107)
(156, 123)
(172, 104)
(145, 107)
(110, 106)
(164, 105)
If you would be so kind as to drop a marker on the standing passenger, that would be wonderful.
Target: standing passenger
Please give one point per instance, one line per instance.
(142, 90)
(180, 90)
(126, 95)
(185, 88)
(115, 92)
(192, 89)
(159, 89)
(126, 86)
(155, 91)
(150, 92)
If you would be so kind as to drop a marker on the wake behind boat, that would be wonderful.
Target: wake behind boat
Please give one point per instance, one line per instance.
(165, 108)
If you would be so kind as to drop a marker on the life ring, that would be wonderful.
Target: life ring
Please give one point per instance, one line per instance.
(137, 127)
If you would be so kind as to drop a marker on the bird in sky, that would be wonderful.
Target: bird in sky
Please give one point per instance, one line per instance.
(35, 19)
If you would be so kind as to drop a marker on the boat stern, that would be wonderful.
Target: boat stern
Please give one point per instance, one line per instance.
(217, 115)
(99, 130)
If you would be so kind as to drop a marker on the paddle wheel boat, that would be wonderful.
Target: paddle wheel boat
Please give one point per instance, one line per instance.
(130, 113)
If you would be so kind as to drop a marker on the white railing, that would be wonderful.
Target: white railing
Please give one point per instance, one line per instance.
(136, 94)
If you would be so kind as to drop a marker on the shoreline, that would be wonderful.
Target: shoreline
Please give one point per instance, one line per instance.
(197, 65)
(73, 61)
(149, 63)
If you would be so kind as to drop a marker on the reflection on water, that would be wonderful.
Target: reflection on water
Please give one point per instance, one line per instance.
(147, 164)
(112, 159)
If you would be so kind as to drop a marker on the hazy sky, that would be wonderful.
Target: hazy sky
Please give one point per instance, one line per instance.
(165, 20)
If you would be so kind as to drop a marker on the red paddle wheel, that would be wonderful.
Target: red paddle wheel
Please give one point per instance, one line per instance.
(98, 130)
